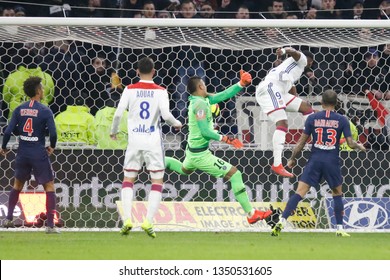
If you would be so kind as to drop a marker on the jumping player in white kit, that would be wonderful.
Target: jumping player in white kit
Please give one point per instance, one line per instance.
(146, 102)
(277, 94)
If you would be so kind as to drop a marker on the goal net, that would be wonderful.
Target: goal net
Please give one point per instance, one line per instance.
(88, 62)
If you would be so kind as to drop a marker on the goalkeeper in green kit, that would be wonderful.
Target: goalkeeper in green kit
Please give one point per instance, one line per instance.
(201, 131)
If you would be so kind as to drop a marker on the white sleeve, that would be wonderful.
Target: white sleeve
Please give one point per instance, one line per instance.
(122, 106)
(302, 60)
(164, 109)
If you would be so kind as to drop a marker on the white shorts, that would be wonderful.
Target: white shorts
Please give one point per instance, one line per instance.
(135, 159)
(271, 97)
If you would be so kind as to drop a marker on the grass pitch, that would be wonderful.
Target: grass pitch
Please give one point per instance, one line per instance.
(192, 246)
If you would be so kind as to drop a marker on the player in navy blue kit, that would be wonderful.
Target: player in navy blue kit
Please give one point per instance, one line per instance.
(30, 121)
(325, 128)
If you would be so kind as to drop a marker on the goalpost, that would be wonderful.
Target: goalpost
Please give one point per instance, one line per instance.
(88, 180)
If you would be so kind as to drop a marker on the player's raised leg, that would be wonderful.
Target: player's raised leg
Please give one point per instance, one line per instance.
(176, 165)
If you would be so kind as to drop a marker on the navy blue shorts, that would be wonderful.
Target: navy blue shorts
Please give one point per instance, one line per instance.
(40, 167)
(314, 171)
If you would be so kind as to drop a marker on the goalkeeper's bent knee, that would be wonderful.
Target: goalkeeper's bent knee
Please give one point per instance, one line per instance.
(174, 165)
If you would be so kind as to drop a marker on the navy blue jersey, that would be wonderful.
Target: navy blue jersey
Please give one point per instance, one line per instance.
(325, 129)
(30, 121)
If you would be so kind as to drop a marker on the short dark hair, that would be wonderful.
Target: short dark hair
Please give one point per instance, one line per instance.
(193, 84)
(329, 97)
(308, 54)
(30, 86)
(145, 65)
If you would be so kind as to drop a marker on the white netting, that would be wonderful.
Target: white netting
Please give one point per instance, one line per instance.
(88, 179)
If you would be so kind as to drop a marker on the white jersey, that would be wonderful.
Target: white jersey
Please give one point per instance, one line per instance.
(288, 72)
(146, 102)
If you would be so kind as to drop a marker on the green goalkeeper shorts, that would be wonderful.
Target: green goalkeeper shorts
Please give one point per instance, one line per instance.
(206, 162)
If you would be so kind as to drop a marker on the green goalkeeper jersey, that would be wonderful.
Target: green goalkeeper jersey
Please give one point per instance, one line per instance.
(200, 119)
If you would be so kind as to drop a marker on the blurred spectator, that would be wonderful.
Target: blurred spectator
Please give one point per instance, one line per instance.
(13, 93)
(277, 10)
(357, 9)
(92, 9)
(101, 81)
(242, 12)
(384, 10)
(329, 69)
(207, 10)
(385, 56)
(8, 12)
(368, 74)
(54, 8)
(20, 11)
(76, 124)
(257, 7)
(131, 8)
(187, 10)
(308, 83)
(354, 131)
(199, 3)
(148, 10)
(63, 62)
(328, 10)
(103, 122)
(312, 13)
(299, 7)
(376, 138)
(189, 63)
(226, 9)
(164, 14)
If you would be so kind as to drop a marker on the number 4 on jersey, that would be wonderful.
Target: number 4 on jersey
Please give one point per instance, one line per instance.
(28, 126)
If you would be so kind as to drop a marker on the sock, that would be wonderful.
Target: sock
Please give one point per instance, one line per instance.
(338, 209)
(291, 205)
(174, 165)
(50, 208)
(12, 200)
(154, 201)
(278, 144)
(239, 191)
(127, 199)
(307, 114)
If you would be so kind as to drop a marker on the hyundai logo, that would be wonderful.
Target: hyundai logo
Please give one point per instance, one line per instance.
(365, 214)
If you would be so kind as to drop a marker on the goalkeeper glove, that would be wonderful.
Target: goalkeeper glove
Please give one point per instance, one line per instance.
(215, 110)
(232, 141)
(245, 78)
(116, 81)
(273, 219)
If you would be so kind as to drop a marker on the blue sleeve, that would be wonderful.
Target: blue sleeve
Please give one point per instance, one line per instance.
(10, 128)
(346, 127)
(52, 130)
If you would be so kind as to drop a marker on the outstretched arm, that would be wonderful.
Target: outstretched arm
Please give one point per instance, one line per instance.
(208, 132)
(245, 79)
